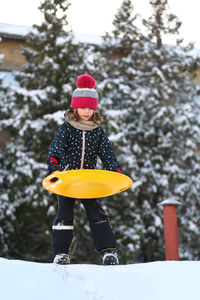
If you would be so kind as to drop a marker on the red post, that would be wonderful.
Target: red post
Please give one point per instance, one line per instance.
(170, 229)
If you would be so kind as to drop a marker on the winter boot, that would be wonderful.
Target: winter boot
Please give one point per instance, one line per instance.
(61, 259)
(110, 257)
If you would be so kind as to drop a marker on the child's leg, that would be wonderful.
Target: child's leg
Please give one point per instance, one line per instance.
(63, 225)
(101, 230)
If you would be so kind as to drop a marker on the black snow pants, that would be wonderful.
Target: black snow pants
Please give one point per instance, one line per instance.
(101, 230)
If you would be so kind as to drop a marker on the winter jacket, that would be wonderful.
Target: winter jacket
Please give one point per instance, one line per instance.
(78, 149)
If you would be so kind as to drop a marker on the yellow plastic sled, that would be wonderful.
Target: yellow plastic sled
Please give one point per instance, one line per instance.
(86, 183)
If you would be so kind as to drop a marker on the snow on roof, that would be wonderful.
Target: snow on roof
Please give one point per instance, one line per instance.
(19, 32)
(88, 38)
(14, 30)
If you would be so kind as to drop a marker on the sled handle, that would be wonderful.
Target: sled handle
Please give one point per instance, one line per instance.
(53, 180)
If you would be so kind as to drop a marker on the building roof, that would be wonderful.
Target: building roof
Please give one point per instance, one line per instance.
(18, 32)
(12, 31)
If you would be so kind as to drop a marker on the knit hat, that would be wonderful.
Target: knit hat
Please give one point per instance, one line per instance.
(85, 95)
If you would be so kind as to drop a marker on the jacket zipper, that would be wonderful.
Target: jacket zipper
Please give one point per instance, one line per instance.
(83, 150)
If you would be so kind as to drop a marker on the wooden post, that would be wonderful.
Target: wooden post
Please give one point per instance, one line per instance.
(170, 229)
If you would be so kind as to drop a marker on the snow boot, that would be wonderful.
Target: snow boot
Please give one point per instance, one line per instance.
(110, 257)
(61, 259)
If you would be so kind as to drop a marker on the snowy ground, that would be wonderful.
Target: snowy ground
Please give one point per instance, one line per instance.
(21, 280)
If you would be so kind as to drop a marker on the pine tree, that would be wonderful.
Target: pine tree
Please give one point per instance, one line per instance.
(32, 113)
(151, 87)
(3, 200)
(170, 129)
(1, 77)
(121, 60)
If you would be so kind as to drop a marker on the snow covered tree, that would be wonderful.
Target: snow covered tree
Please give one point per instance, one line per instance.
(32, 113)
(1, 59)
(150, 86)
(3, 135)
(121, 60)
(1, 77)
(169, 161)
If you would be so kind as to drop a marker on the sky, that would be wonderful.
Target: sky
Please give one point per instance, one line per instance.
(96, 16)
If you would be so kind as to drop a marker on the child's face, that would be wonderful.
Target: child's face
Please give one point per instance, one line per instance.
(85, 113)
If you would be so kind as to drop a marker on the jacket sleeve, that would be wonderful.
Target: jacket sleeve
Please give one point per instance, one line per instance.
(106, 154)
(57, 146)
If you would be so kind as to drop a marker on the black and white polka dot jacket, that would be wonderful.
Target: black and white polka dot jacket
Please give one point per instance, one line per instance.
(78, 149)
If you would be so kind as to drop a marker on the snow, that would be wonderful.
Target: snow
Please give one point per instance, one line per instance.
(88, 38)
(57, 116)
(172, 280)
(14, 29)
(7, 78)
(170, 202)
(20, 30)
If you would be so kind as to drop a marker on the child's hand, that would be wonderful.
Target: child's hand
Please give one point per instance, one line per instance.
(53, 165)
(118, 171)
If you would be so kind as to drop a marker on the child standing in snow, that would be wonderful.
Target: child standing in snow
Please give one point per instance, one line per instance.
(76, 145)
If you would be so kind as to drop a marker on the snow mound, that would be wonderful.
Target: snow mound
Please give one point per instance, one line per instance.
(22, 280)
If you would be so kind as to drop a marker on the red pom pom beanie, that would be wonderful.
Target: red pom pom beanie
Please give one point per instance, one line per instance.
(85, 95)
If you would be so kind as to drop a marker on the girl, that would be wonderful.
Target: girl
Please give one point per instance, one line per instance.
(76, 145)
